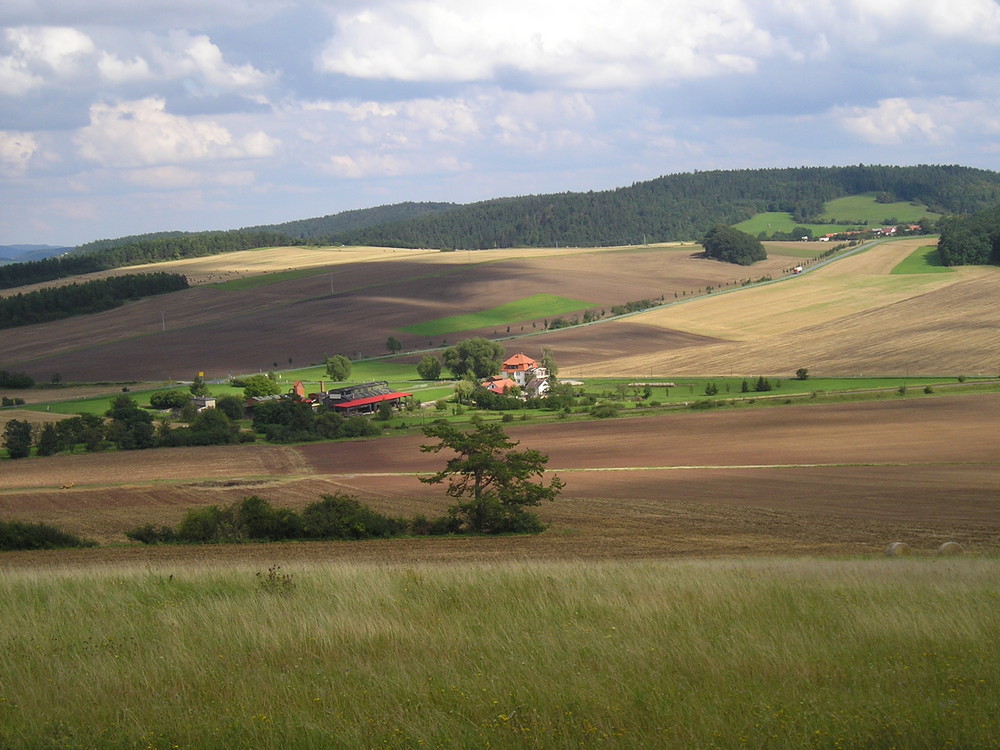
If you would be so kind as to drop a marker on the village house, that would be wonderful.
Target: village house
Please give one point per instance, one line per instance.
(520, 371)
(203, 402)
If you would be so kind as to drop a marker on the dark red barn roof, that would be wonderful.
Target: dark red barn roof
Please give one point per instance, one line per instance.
(370, 400)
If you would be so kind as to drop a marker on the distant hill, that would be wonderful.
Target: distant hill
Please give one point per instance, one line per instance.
(352, 221)
(670, 208)
(680, 207)
(26, 253)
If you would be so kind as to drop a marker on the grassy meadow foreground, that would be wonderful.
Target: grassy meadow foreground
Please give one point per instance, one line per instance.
(760, 653)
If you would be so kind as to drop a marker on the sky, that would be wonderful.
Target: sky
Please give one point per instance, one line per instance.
(120, 117)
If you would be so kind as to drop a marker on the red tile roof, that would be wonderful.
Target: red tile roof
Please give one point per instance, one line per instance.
(499, 384)
(519, 363)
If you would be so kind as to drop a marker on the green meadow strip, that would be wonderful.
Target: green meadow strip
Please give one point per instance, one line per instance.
(266, 279)
(528, 308)
(922, 260)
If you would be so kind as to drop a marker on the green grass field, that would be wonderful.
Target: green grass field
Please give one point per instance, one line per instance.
(772, 222)
(864, 208)
(276, 277)
(711, 654)
(922, 260)
(528, 308)
(859, 211)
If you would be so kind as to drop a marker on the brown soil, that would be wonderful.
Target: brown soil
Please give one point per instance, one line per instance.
(804, 480)
(351, 310)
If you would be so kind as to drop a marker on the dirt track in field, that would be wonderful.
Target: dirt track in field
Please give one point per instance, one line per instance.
(805, 480)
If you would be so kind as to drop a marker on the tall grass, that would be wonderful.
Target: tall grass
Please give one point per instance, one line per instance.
(783, 654)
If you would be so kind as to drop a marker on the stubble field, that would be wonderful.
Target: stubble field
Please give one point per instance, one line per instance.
(850, 318)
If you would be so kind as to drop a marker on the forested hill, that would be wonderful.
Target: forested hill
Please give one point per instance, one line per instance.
(674, 207)
(679, 207)
(352, 221)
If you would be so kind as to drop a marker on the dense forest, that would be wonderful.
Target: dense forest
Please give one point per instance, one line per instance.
(674, 207)
(93, 296)
(679, 207)
(971, 240)
(352, 221)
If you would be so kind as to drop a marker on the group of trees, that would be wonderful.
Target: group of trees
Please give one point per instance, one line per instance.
(287, 421)
(128, 426)
(733, 246)
(83, 298)
(17, 380)
(971, 240)
(492, 482)
(477, 357)
(254, 519)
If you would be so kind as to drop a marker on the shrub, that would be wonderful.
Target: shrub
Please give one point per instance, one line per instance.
(422, 526)
(343, 517)
(604, 411)
(149, 534)
(15, 535)
(706, 404)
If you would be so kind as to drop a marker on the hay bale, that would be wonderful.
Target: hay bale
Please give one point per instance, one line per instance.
(898, 549)
(950, 548)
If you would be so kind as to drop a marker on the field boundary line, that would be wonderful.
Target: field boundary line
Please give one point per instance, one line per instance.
(681, 467)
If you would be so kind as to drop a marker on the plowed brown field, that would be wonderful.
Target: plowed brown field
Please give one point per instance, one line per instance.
(352, 309)
(802, 480)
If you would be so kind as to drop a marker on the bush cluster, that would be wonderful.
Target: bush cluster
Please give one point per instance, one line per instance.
(15, 535)
(254, 519)
(289, 421)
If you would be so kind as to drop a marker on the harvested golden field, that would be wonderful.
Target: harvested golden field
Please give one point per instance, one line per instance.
(352, 309)
(795, 480)
(848, 318)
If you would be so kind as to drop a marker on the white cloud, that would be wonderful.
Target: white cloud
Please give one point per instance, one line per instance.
(15, 78)
(36, 55)
(116, 70)
(142, 133)
(172, 177)
(198, 56)
(374, 164)
(974, 20)
(62, 50)
(16, 151)
(49, 56)
(578, 43)
(893, 121)
(444, 134)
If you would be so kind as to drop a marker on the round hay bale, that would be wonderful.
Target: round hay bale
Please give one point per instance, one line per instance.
(950, 548)
(898, 549)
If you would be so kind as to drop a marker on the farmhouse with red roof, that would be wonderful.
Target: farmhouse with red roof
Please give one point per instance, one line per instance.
(523, 372)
